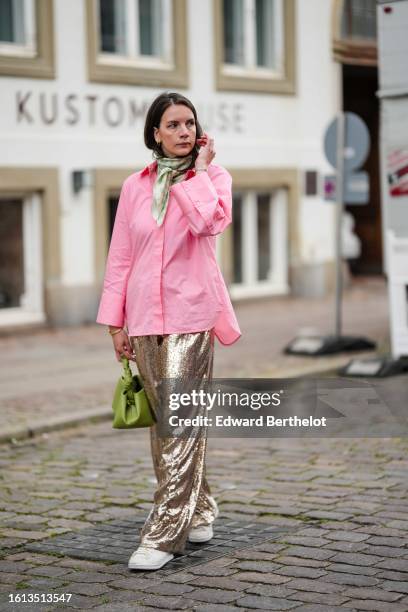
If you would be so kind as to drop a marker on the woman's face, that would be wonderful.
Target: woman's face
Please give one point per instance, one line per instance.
(177, 131)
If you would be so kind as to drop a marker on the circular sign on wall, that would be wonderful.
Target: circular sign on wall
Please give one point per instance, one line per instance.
(356, 142)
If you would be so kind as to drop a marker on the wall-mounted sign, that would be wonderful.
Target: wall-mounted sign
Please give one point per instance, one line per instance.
(397, 172)
(356, 188)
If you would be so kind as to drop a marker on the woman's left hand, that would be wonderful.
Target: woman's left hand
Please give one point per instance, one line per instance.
(207, 152)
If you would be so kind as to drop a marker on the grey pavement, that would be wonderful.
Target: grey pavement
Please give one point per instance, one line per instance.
(52, 378)
(341, 505)
(336, 508)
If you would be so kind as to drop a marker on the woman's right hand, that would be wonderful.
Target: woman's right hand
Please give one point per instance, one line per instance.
(206, 153)
(122, 346)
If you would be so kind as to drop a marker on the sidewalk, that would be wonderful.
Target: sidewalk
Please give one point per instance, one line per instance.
(57, 378)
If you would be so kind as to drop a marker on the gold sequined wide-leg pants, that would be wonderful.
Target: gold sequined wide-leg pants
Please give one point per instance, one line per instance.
(183, 498)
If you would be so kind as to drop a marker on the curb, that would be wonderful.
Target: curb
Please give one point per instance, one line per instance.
(104, 413)
(55, 424)
(318, 365)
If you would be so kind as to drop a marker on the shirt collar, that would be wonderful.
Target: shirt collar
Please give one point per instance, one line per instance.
(149, 168)
(152, 167)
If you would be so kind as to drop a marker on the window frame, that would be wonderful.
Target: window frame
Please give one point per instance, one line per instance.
(31, 308)
(264, 180)
(234, 78)
(277, 283)
(250, 50)
(143, 70)
(41, 184)
(38, 63)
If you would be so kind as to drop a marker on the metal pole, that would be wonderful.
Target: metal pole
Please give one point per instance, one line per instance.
(339, 217)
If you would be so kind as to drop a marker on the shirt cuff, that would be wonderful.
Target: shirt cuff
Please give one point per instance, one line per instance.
(111, 310)
(197, 193)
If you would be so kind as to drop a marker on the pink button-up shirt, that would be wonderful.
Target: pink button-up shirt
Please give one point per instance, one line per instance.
(165, 279)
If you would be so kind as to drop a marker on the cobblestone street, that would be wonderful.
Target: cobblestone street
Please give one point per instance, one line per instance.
(341, 506)
(311, 525)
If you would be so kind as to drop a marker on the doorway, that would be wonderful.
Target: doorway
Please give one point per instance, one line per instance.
(360, 84)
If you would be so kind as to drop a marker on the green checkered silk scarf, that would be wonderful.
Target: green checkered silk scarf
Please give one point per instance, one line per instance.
(170, 170)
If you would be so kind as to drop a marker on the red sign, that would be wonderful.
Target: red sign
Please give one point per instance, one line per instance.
(397, 172)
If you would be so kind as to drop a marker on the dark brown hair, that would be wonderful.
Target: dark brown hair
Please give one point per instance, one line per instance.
(154, 115)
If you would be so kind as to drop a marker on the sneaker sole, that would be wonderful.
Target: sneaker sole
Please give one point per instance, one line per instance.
(147, 566)
(199, 540)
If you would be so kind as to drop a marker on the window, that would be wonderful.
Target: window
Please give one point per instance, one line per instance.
(112, 208)
(259, 243)
(17, 27)
(137, 41)
(234, 31)
(237, 233)
(12, 253)
(112, 26)
(355, 33)
(359, 19)
(30, 245)
(26, 38)
(264, 226)
(152, 15)
(253, 35)
(135, 29)
(21, 281)
(269, 49)
(255, 45)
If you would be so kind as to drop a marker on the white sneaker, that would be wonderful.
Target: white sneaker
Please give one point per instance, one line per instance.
(147, 558)
(202, 533)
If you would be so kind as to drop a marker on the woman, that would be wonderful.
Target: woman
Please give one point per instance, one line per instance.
(163, 281)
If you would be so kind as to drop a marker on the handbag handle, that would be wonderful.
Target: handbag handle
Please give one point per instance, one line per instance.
(127, 372)
(131, 382)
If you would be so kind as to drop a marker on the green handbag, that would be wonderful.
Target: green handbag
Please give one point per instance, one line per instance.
(130, 404)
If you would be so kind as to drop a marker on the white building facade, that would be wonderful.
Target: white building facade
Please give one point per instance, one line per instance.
(76, 79)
